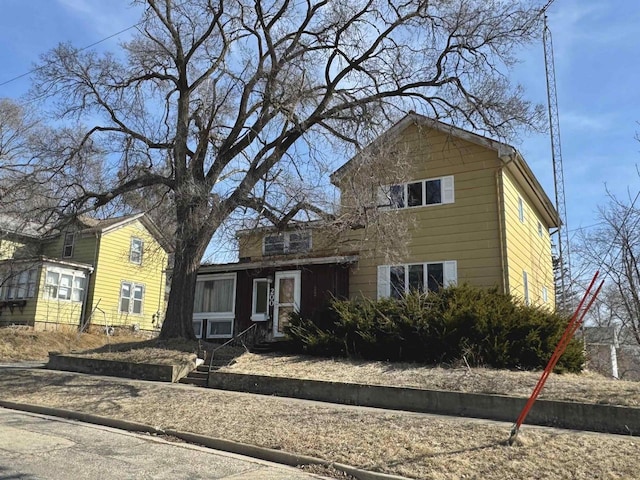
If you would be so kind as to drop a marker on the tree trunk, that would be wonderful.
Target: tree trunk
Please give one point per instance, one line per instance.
(191, 243)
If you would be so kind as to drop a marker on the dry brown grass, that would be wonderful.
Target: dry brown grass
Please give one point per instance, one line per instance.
(19, 343)
(413, 445)
(585, 387)
(27, 344)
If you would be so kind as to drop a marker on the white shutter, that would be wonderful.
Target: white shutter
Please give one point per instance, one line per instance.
(383, 197)
(384, 284)
(450, 273)
(448, 195)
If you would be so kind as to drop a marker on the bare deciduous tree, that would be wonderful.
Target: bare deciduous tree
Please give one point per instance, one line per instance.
(614, 247)
(232, 106)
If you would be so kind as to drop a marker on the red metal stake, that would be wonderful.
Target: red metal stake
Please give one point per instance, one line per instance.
(572, 327)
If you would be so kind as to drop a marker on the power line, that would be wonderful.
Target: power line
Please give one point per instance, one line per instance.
(79, 50)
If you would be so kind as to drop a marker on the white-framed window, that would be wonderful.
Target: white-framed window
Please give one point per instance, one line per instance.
(20, 285)
(197, 327)
(521, 209)
(545, 295)
(215, 298)
(131, 297)
(421, 193)
(67, 247)
(287, 242)
(135, 252)
(64, 284)
(260, 300)
(396, 280)
(525, 286)
(540, 229)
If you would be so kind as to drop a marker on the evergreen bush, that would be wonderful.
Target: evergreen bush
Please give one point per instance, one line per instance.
(485, 327)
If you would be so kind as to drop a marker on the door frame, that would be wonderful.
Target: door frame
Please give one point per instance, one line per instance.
(295, 274)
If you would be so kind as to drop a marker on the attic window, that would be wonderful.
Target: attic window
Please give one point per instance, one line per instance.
(67, 248)
(135, 253)
(287, 242)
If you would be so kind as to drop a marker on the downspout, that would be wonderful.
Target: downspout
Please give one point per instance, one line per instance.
(505, 156)
(86, 290)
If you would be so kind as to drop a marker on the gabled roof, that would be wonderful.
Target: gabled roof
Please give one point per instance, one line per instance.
(107, 225)
(511, 158)
(18, 226)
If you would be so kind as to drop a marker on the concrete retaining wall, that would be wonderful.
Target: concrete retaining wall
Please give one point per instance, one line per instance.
(597, 418)
(146, 371)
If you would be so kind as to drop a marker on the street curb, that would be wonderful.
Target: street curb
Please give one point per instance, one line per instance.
(261, 453)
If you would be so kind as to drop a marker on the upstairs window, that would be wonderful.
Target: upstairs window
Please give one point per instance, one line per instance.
(135, 252)
(67, 248)
(287, 242)
(521, 209)
(433, 191)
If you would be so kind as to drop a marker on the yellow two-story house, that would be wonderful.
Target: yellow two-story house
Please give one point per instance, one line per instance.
(106, 273)
(473, 213)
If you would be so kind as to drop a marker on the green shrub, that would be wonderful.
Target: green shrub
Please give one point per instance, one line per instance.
(483, 326)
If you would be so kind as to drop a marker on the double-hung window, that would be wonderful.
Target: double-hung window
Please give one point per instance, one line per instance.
(21, 285)
(131, 298)
(135, 252)
(397, 280)
(287, 242)
(67, 247)
(215, 298)
(432, 191)
(64, 284)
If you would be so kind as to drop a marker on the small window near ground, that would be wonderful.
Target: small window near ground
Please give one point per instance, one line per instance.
(197, 327)
(135, 253)
(67, 249)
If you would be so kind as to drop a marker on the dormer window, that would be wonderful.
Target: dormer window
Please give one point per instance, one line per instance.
(67, 248)
(287, 242)
(135, 253)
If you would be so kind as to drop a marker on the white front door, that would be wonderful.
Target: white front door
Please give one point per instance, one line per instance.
(286, 299)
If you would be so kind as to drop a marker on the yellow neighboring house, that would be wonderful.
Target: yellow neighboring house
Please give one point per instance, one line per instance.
(474, 211)
(106, 273)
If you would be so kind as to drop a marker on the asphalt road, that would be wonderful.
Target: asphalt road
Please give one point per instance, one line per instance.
(40, 447)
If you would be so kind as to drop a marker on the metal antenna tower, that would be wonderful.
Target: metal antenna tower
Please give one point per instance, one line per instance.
(564, 257)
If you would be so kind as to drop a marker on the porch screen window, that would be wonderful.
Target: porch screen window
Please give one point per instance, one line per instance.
(215, 303)
(432, 191)
(287, 242)
(131, 298)
(260, 301)
(21, 285)
(396, 280)
(63, 284)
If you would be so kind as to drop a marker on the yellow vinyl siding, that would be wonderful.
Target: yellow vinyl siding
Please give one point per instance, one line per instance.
(14, 248)
(466, 231)
(84, 247)
(113, 267)
(526, 250)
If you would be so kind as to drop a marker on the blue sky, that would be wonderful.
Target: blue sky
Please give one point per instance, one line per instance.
(597, 55)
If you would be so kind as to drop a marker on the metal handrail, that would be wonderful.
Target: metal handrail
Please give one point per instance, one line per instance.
(230, 341)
